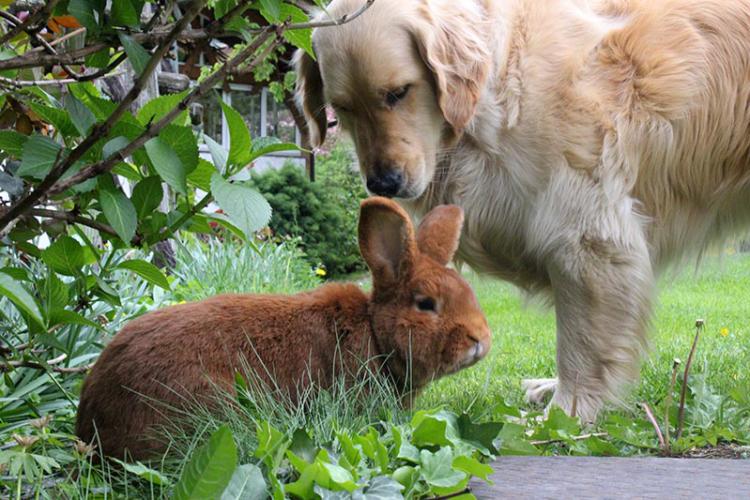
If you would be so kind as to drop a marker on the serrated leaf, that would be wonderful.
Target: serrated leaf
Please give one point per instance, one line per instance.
(11, 142)
(113, 146)
(267, 145)
(299, 38)
(155, 109)
(219, 153)
(57, 117)
(182, 140)
(20, 298)
(167, 164)
(246, 207)
(271, 10)
(137, 55)
(247, 483)
(240, 143)
(201, 176)
(210, 468)
(82, 117)
(65, 256)
(119, 212)
(39, 156)
(147, 271)
(147, 195)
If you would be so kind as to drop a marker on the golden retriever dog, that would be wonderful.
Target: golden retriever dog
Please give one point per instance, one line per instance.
(589, 142)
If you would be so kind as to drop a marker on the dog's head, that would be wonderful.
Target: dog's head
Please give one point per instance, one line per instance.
(404, 79)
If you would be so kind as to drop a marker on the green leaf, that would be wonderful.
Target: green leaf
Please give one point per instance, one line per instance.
(246, 207)
(383, 488)
(272, 445)
(271, 10)
(430, 430)
(114, 145)
(201, 176)
(147, 271)
(240, 143)
(437, 469)
(89, 13)
(299, 38)
(39, 155)
(66, 317)
(82, 117)
(482, 436)
(303, 446)
(98, 59)
(144, 472)
(147, 195)
(57, 117)
(340, 478)
(126, 13)
(210, 468)
(473, 467)
(167, 164)
(155, 109)
(182, 140)
(267, 145)
(11, 142)
(65, 256)
(513, 441)
(137, 55)
(352, 454)
(20, 297)
(219, 153)
(120, 213)
(247, 483)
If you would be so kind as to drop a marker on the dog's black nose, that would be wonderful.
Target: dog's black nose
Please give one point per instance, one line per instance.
(386, 184)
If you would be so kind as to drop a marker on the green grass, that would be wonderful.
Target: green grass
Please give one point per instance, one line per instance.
(524, 338)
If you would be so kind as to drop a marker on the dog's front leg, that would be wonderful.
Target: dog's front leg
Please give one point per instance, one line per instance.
(595, 252)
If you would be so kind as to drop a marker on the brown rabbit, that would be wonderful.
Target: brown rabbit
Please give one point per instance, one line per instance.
(421, 315)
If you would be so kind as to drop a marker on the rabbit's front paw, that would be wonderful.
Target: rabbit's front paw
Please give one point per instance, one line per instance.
(538, 388)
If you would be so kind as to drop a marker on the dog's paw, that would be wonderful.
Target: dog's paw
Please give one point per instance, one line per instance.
(538, 388)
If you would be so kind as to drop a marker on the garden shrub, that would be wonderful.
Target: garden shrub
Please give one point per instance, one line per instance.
(323, 213)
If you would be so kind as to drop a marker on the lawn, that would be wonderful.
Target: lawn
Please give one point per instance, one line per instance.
(524, 338)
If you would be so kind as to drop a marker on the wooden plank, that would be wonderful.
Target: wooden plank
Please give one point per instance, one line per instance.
(616, 478)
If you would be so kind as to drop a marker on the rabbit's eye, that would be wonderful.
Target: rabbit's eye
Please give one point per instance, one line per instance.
(426, 304)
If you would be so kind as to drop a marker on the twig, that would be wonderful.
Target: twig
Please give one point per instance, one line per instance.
(346, 18)
(197, 92)
(668, 401)
(101, 130)
(32, 19)
(653, 421)
(574, 438)
(686, 374)
(464, 491)
(9, 82)
(77, 219)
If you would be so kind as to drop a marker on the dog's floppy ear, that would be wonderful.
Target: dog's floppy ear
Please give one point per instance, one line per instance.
(439, 232)
(310, 96)
(386, 241)
(452, 38)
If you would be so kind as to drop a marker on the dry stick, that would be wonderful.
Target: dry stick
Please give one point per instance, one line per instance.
(653, 421)
(668, 402)
(42, 12)
(683, 389)
(101, 130)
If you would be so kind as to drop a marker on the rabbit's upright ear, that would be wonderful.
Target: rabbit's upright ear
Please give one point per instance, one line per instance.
(386, 240)
(439, 232)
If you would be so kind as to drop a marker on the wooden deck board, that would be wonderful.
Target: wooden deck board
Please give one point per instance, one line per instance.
(616, 478)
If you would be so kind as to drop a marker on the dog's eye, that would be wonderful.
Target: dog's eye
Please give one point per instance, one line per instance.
(426, 304)
(392, 97)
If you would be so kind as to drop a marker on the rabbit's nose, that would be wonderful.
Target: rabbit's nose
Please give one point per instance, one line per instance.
(477, 351)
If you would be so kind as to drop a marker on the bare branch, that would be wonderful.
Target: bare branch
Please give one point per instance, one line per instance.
(77, 219)
(30, 21)
(346, 18)
(102, 129)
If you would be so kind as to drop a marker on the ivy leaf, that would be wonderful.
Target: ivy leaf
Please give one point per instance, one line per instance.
(65, 256)
(210, 468)
(247, 483)
(147, 271)
(137, 55)
(82, 117)
(383, 488)
(473, 467)
(20, 297)
(167, 164)
(481, 436)
(240, 143)
(437, 469)
(39, 156)
(120, 213)
(246, 207)
(147, 195)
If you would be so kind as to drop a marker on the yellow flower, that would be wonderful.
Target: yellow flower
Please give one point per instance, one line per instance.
(724, 332)
(320, 271)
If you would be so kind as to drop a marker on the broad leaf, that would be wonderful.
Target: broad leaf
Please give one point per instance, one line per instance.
(114, 145)
(20, 297)
(266, 145)
(437, 469)
(299, 38)
(11, 142)
(155, 109)
(66, 317)
(182, 140)
(246, 207)
(65, 256)
(147, 195)
(137, 55)
(480, 435)
(201, 176)
(82, 117)
(126, 12)
(473, 467)
(240, 143)
(247, 483)
(167, 164)
(57, 117)
(89, 13)
(382, 488)
(147, 271)
(219, 153)
(39, 156)
(271, 10)
(210, 468)
(144, 472)
(120, 213)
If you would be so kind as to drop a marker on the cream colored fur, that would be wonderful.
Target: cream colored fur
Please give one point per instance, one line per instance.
(590, 143)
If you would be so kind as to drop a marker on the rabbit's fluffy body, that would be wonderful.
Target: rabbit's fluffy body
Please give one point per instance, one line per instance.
(183, 353)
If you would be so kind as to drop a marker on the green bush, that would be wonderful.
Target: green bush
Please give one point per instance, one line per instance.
(323, 213)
